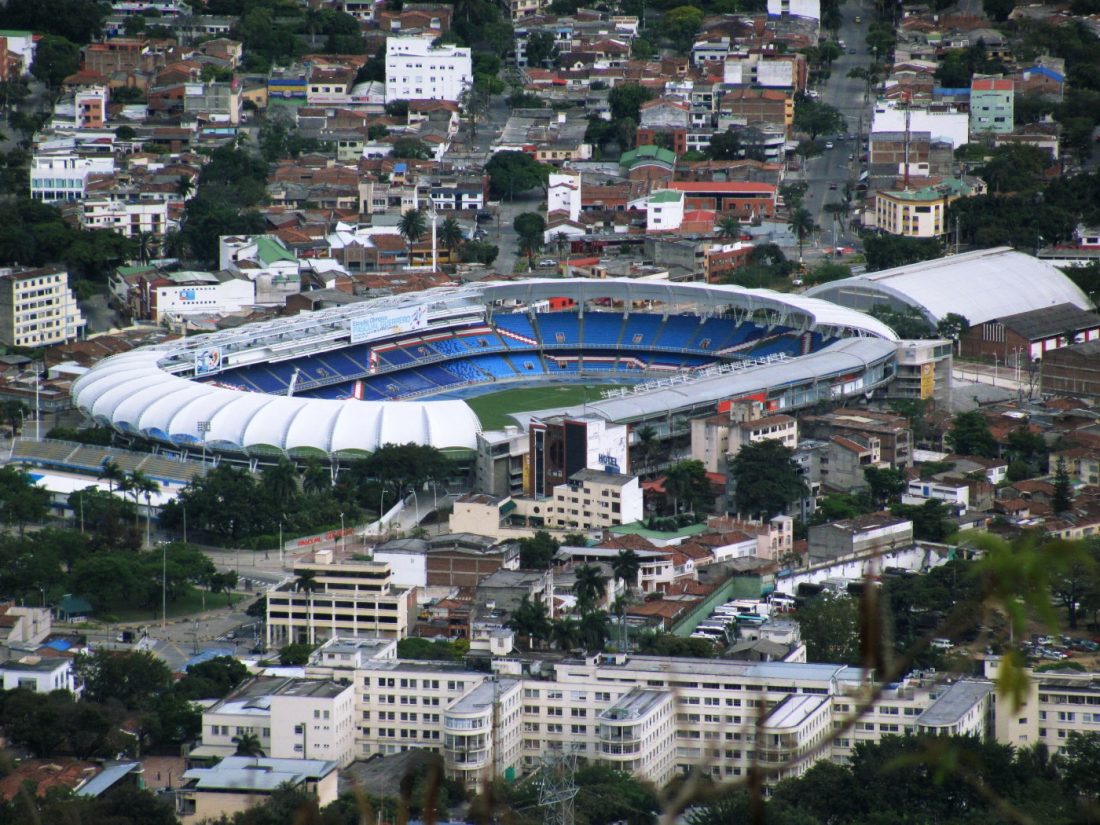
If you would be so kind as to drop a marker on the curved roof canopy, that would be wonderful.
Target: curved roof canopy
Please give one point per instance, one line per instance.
(981, 286)
(150, 392)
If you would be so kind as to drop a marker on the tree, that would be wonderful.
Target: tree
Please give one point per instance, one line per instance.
(316, 478)
(512, 173)
(295, 654)
(538, 551)
(970, 435)
(412, 225)
(766, 478)
(80, 21)
(530, 227)
(248, 744)
(800, 224)
(565, 633)
(888, 251)
(625, 566)
(1015, 167)
(830, 629)
(729, 227)
(885, 484)
(55, 58)
(816, 118)
(281, 481)
(952, 326)
(450, 234)
(669, 644)
(594, 628)
(930, 519)
(22, 501)
(1062, 500)
(134, 679)
(1080, 764)
(410, 149)
(541, 49)
(681, 25)
(687, 483)
(530, 620)
(590, 585)
(478, 252)
(725, 146)
(626, 99)
(212, 679)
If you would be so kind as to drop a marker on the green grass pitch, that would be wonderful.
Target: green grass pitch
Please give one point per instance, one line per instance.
(493, 409)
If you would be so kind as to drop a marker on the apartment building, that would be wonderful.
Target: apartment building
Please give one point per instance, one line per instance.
(718, 438)
(292, 718)
(329, 597)
(60, 173)
(128, 218)
(655, 717)
(592, 499)
(37, 308)
(417, 70)
(992, 105)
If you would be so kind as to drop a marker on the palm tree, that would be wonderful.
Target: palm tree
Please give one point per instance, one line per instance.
(112, 474)
(146, 245)
(450, 234)
(594, 629)
(589, 586)
(12, 411)
(248, 744)
(565, 633)
(645, 445)
(148, 488)
(315, 477)
(729, 227)
(307, 583)
(530, 620)
(126, 487)
(625, 566)
(801, 223)
(185, 186)
(281, 480)
(412, 225)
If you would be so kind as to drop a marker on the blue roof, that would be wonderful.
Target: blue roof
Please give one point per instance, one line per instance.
(400, 167)
(208, 654)
(59, 645)
(1043, 70)
(107, 778)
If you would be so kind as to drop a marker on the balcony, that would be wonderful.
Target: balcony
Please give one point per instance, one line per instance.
(468, 759)
(613, 749)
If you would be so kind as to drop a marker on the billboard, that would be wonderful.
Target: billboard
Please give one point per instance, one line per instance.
(389, 322)
(208, 361)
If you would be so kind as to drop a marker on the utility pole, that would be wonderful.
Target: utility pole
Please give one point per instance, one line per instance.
(557, 787)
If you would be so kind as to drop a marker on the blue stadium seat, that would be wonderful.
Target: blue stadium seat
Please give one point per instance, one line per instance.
(679, 331)
(495, 365)
(558, 329)
(785, 344)
(396, 357)
(516, 322)
(641, 330)
(602, 329)
(341, 364)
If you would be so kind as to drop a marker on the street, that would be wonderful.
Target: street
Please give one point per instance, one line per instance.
(848, 95)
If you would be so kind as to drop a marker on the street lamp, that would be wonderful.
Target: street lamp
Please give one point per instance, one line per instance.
(163, 585)
(381, 512)
(37, 405)
(341, 532)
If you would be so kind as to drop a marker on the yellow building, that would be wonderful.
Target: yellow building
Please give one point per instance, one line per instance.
(919, 213)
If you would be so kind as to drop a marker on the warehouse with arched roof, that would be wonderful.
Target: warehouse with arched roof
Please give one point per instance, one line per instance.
(982, 286)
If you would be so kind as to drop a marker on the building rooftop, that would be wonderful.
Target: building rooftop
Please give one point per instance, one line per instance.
(257, 774)
(634, 705)
(483, 696)
(794, 710)
(954, 704)
(602, 477)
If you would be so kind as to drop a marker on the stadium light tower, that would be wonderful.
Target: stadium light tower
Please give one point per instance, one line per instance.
(435, 238)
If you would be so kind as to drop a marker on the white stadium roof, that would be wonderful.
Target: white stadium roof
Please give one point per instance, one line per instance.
(151, 392)
(981, 286)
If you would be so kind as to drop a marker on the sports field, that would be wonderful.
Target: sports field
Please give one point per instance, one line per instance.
(493, 409)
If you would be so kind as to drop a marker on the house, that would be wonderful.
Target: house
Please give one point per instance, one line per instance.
(871, 533)
(238, 783)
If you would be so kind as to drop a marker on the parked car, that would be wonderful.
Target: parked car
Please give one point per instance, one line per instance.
(828, 144)
(548, 262)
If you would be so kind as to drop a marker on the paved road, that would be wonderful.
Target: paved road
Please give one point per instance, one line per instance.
(849, 96)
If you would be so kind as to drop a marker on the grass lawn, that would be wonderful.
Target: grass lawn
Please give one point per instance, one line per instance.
(191, 603)
(493, 409)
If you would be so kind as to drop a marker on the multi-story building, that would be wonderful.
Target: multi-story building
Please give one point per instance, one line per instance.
(795, 8)
(417, 70)
(719, 437)
(501, 461)
(561, 446)
(652, 716)
(19, 47)
(918, 213)
(128, 218)
(37, 308)
(923, 371)
(291, 718)
(60, 173)
(892, 431)
(331, 597)
(991, 105)
(745, 104)
(219, 102)
(593, 499)
(179, 294)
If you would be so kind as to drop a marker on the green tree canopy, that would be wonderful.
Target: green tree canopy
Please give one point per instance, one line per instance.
(511, 173)
(766, 479)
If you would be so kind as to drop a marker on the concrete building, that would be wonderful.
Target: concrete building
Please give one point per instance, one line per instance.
(717, 439)
(1072, 370)
(40, 675)
(128, 218)
(873, 532)
(560, 446)
(592, 499)
(291, 718)
(941, 122)
(795, 8)
(179, 294)
(501, 463)
(664, 211)
(60, 173)
(37, 308)
(654, 717)
(347, 597)
(991, 106)
(918, 213)
(20, 47)
(1030, 336)
(417, 70)
(892, 431)
(924, 371)
(238, 783)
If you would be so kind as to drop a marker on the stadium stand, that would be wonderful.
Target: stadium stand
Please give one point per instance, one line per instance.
(81, 458)
(558, 329)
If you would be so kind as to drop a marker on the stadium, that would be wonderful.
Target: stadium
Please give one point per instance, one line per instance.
(436, 367)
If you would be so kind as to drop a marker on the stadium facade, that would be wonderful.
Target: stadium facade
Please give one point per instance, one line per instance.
(341, 382)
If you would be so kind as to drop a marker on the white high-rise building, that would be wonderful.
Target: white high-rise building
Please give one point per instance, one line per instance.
(416, 70)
